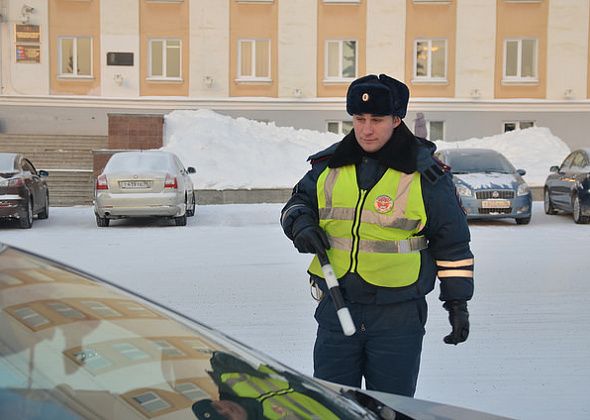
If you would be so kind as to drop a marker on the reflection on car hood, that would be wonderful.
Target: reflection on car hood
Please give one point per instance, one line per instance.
(488, 181)
(73, 346)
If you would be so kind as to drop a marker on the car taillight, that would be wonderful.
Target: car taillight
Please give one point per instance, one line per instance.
(102, 183)
(16, 182)
(170, 182)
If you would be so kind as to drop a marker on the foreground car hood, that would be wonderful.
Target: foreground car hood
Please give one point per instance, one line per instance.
(488, 181)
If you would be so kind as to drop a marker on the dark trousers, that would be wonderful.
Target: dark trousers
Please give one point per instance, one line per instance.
(385, 350)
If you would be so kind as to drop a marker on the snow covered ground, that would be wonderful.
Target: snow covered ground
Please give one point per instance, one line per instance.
(232, 268)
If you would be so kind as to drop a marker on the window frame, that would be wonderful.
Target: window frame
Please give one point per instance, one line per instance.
(429, 78)
(74, 74)
(517, 124)
(429, 129)
(253, 78)
(518, 78)
(165, 41)
(340, 78)
(340, 126)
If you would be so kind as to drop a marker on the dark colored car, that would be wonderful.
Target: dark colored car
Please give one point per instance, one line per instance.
(567, 188)
(488, 184)
(73, 346)
(23, 190)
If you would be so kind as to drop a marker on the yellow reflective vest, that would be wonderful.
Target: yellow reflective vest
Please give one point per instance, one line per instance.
(372, 232)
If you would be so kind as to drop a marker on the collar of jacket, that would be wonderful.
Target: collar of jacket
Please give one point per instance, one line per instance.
(399, 153)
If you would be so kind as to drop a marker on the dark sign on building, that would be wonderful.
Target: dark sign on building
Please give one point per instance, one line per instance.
(119, 59)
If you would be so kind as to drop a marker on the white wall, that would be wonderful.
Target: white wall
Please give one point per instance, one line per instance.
(297, 39)
(119, 26)
(24, 78)
(386, 30)
(567, 49)
(209, 48)
(475, 49)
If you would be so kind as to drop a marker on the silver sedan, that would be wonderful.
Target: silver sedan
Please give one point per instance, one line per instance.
(144, 184)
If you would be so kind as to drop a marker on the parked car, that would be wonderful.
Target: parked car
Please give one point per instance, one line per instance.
(23, 190)
(567, 188)
(74, 346)
(488, 184)
(144, 183)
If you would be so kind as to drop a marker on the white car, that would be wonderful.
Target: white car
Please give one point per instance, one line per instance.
(149, 183)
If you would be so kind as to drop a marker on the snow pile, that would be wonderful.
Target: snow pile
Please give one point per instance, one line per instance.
(233, 153)
(230, 153)
(534, 150)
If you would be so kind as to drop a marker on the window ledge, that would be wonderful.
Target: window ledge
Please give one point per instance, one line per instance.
(70, 77)
(426, 81)
(336, 81)
(520, 81)
(253, 80)
(165, 79)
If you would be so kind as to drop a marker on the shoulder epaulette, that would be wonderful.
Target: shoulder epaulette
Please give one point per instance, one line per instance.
(322, 155)
(435, 171)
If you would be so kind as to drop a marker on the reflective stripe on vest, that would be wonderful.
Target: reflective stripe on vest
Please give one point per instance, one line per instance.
(372, 232)
(278, 399)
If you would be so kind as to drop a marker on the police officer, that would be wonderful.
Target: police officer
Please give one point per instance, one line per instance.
(386, 213)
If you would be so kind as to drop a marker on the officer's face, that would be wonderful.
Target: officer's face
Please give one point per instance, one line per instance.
(373, 131)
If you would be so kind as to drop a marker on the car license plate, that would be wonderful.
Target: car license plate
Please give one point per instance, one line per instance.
(130, 185)
(495, 204)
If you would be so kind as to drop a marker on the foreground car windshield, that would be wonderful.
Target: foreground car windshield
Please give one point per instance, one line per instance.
(145, 161)
(473, 163)
(72, 347)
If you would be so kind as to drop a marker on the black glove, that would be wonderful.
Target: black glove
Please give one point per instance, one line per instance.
(459, 319)
(311, 240)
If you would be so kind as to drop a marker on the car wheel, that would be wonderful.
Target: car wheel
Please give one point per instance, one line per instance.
(44, 214)
(547, 204)
(26, 220)
(523, 220)
(180, 220)
(190, 211)
(579, 218)
(102, 221)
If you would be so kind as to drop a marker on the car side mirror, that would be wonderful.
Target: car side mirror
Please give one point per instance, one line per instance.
(554, 169)
(191, 170)
(43, 172)
(521, 172)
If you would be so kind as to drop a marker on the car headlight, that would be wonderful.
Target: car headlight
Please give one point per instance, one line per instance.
(464, 191)
(523, 189)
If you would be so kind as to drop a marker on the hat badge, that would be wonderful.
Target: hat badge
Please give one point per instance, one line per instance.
(365, 97)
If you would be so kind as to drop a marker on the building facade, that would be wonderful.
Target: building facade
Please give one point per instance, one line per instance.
(474, 67)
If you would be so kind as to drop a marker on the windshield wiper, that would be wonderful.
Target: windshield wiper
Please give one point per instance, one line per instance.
(373, 405)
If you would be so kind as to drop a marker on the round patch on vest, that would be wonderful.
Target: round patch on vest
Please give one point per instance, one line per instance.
(383, 203)
(365, 97)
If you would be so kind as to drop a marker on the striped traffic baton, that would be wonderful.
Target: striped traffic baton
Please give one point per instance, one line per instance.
(341, 310)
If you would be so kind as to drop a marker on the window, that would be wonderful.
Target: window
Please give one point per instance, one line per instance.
(130, 351)
(430, 59)
(99, 308)
(164, 59)
(254, 59)
(342, 1)
(151, 402)
(66, 310)
(75, 56)
(339, 127)
(30, 317)
(520, 60)
(167, 349)
(435, 130)
(517, 125)
(91, 359)
(191, 391)
(341, 57)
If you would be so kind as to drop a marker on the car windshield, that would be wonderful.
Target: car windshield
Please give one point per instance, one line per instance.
(465, 163)
(6, 163)
(121, 162)
(73, 347)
